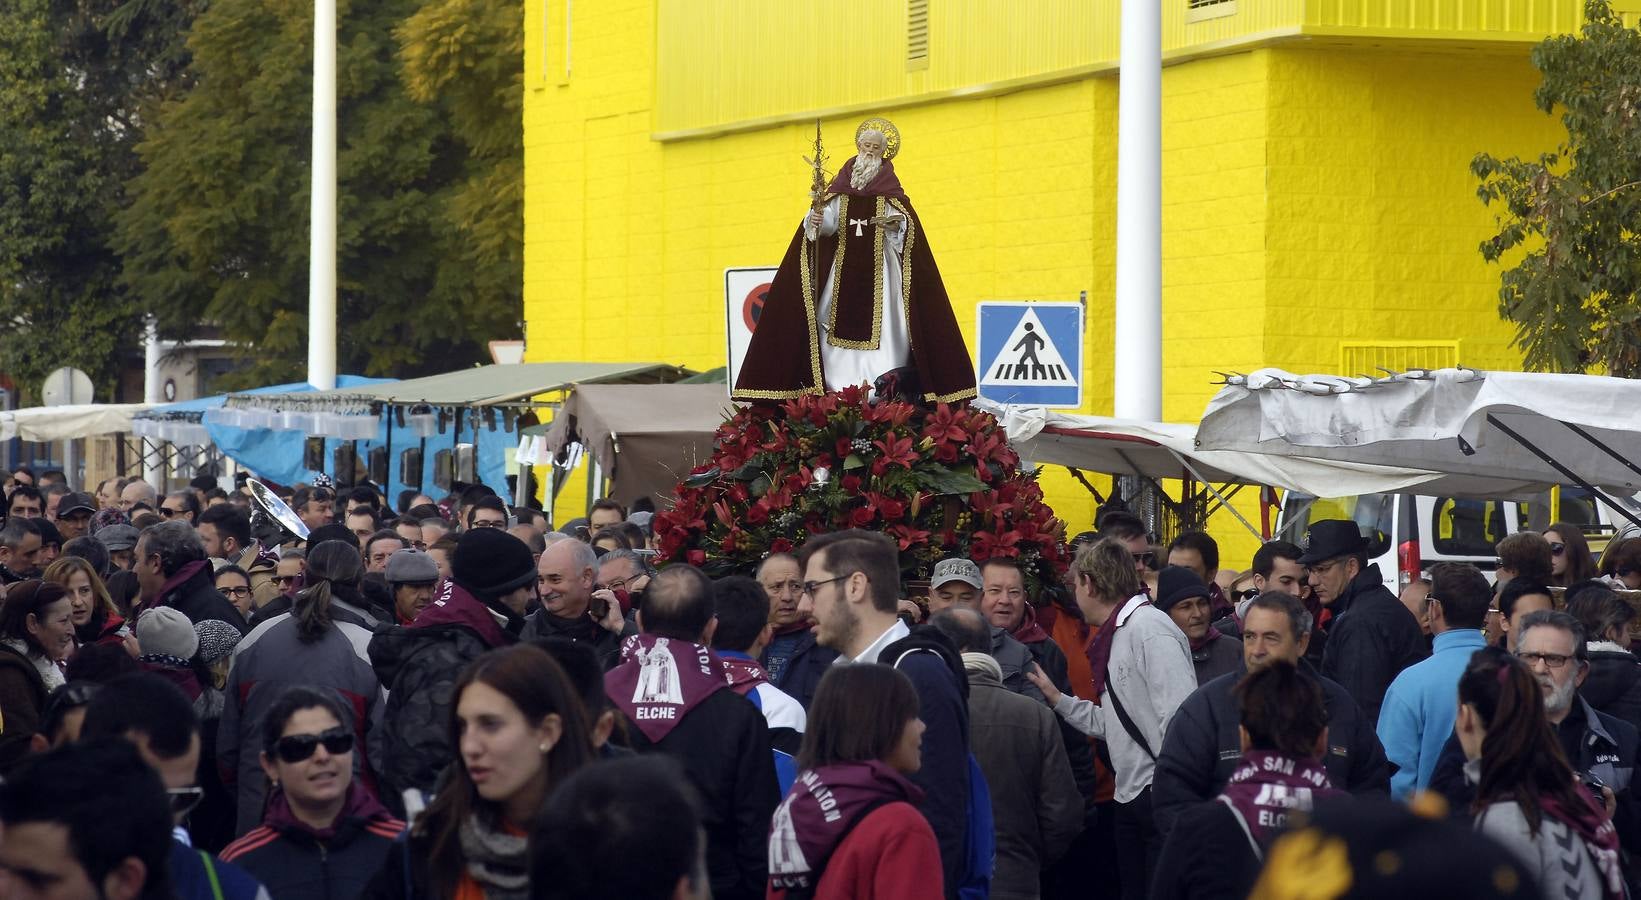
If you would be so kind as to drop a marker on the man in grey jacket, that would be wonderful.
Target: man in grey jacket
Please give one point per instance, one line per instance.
(1142, 671)
(1035, 804)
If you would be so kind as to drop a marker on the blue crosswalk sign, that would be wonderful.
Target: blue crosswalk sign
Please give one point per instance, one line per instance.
(1031, 354)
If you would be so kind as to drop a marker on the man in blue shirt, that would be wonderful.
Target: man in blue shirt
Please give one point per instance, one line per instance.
(1419, 708)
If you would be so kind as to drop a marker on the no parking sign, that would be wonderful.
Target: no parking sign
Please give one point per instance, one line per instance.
(744, 293)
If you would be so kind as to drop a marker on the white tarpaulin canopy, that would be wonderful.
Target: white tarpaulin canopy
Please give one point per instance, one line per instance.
(1497, 434)
(1166, 450)
(58, 423)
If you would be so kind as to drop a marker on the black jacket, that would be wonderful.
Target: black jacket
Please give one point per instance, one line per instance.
(1207, 855)
(1371, 639)
(22, 699)
(1079, 751)
(1202, 746)
(1614, 683)
(723, 745)
(295, 865)
(419, 667)
(606, 643)
(804, 668)
(199, 600)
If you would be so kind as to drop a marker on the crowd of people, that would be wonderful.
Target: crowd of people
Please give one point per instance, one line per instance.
(450, 698)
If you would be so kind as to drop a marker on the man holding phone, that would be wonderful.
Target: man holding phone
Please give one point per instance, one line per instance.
(573, 607)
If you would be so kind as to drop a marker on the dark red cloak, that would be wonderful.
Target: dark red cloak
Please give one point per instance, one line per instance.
(784, 359)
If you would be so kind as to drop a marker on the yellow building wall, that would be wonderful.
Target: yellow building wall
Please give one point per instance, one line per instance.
(1313, 193)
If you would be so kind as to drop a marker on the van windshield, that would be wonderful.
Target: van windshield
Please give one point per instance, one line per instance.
(1461, 527)
(1371, 512)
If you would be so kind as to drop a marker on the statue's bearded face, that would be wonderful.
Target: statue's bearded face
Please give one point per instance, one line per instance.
(871, 144)
(869, 160)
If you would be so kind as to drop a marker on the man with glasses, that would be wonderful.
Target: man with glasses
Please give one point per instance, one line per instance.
(793, 659)
(623, 571)
(1600, 747)
(487, 512)
(1421, 704)
(158, 719)
(1372, 637)
(74, 513)
(181, 506)
(1129, 530)
(851, 589)
(137, 493)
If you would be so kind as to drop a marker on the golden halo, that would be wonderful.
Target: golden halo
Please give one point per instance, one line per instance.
(891, 134)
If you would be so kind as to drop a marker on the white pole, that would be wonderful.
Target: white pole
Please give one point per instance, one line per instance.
(1138, 377)
(153, 393)
(322, 241)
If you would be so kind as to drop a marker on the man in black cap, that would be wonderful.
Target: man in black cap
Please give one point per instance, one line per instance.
(1372, 637)
(74, 513)
(1185, 597)
(481, 607)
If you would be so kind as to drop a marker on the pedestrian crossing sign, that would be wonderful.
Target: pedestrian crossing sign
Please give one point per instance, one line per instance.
(1031, 354)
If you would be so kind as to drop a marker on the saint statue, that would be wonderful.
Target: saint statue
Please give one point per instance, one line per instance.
(857, 295)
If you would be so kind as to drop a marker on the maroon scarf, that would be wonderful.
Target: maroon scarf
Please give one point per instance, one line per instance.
(1266, 786)
(1212, 635)
(825, 803)
(1591, 823)
(1027, 631)
(743, 673)
(189, 570)
(1099, 649)
(455, 606)
(660, 680)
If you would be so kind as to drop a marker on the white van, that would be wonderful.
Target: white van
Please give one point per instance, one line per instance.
(1411, 532)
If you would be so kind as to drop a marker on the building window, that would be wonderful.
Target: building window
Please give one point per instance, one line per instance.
(917, 35)
(1201, 10)
(1367, 357)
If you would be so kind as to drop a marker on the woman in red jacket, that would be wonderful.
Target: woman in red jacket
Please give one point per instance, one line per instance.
(850, 827)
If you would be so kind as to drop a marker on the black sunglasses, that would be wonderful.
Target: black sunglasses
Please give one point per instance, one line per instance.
(1557, 549)
(294, 748)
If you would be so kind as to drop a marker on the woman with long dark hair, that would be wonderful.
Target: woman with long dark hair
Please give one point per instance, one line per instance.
(96, 619)
(324, 834)
(309, 645)
(1570, 559)
(520, 731)
(1215, 848)
(850, 827)
(1527, 796)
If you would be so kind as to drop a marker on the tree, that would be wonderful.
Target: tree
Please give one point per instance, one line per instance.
(77, 80)
(427, 266)
(1574, 215)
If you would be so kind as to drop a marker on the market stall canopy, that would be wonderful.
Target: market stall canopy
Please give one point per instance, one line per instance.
(492, 385)
(180, 422)
(59, 423)
(646, 437)
(1159, 450)
(1492, 434)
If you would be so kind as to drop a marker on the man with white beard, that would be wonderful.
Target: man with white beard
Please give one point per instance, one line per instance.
(858, 294)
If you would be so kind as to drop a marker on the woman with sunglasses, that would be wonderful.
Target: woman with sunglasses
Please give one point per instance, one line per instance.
(1570, 559)
(315, 644)
(519, 730)
(96, 620)
(323, 835)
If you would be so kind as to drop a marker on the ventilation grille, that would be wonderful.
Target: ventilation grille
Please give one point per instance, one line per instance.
(917, 34)
(1365, 358)
(1198, 10)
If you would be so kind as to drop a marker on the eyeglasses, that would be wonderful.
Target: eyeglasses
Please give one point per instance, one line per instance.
(1557, 549)
(810, 587)
(170, 513)
(1322, 568)
(284, 580)
(183, 800)
(235, 591)
(620, 584)
(490, 523)
(1552, 660)
(1146, 558)
(293, 748)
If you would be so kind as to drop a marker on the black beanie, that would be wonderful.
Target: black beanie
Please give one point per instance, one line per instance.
(335, 531)
(489, 562)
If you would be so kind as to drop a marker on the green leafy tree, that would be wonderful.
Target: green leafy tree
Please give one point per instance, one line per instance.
(1571, 218)
(217, 228)
(77, 80)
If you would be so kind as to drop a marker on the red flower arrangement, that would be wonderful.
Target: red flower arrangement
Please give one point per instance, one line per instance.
(941, 482)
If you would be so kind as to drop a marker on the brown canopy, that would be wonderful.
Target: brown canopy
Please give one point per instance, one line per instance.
(646, 436)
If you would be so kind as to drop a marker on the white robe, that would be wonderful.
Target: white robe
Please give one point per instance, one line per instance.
(842, 366)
